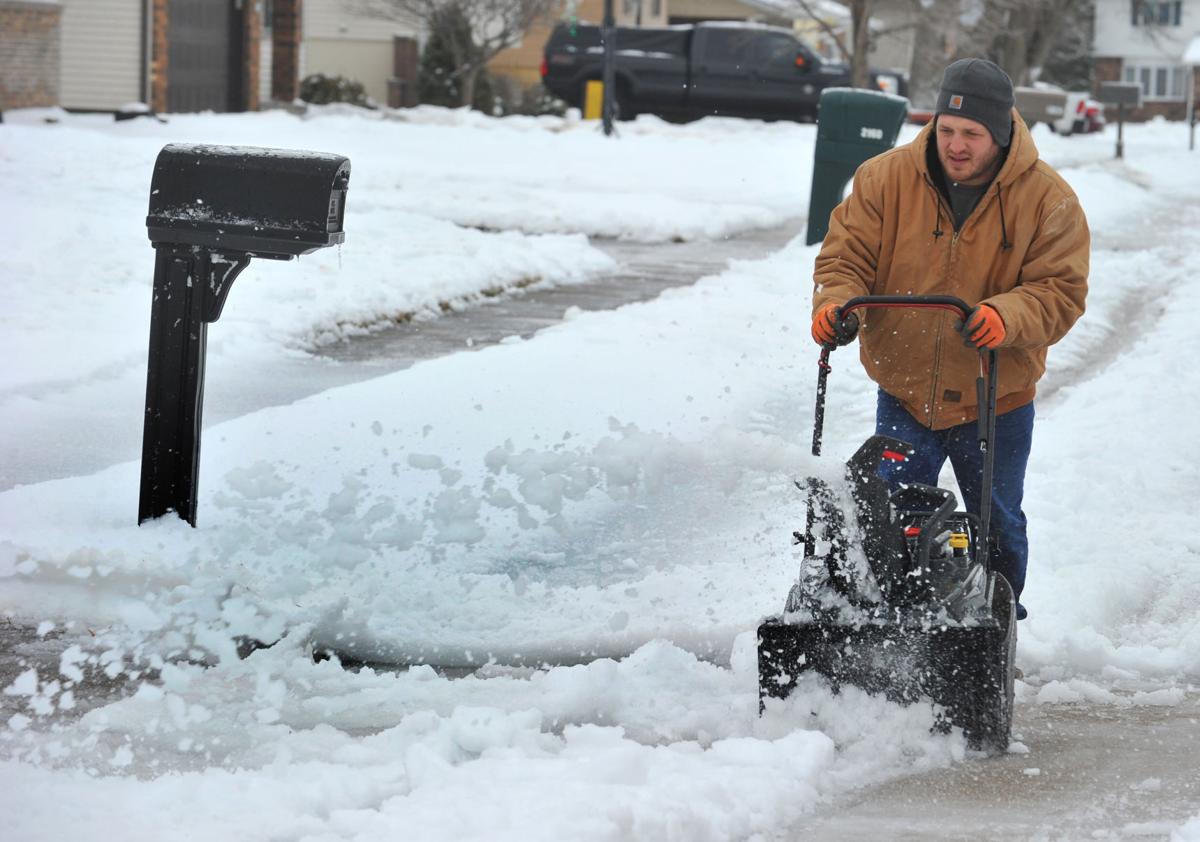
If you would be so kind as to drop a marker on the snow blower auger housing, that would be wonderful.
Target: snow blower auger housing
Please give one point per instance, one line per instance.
(895, 593)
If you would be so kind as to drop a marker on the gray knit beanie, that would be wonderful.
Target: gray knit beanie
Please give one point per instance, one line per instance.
(979, 90)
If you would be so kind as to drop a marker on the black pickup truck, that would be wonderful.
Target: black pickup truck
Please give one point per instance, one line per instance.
(690, 71)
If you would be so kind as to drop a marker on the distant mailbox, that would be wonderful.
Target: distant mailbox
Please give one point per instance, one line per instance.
(276, 203)
(1037, 105)
(212, 209)
(1121, 93)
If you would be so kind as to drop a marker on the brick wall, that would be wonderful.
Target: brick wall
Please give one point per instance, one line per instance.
(251, 44)
(285, 51)
(158, 55)
(1109, 70)
(29, 54)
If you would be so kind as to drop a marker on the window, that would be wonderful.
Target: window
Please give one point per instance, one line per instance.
(730, 46)
(778, 51)
(1158, 81)
(1156, 12)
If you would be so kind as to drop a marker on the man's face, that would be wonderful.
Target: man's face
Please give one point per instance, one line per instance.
(966, 149)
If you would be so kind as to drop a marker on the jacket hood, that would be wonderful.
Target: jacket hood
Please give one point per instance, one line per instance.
(1022, 152)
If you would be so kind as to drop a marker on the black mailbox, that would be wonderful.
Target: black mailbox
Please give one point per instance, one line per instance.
(213, 208)
(275, 203)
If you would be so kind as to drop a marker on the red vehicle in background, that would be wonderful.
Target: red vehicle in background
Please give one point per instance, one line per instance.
(1089, 116)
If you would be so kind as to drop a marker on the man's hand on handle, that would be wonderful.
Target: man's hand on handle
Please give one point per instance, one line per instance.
(828, 329)
(983, 328)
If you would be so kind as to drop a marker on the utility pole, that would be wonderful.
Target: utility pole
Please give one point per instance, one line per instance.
(608, 109)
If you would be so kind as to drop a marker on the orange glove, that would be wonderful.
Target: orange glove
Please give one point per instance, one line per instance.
(827, 329)
(983, 328)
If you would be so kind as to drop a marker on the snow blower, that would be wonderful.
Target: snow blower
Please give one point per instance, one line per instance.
(895, 593)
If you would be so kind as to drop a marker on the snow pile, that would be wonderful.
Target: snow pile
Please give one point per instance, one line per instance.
(658, 745)
(590, 523)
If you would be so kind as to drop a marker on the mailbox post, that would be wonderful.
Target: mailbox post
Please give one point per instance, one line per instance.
(212, 209)
(852, 126)
(1121, 94)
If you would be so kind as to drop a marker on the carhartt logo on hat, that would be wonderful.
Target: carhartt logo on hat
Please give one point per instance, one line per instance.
(979, 90)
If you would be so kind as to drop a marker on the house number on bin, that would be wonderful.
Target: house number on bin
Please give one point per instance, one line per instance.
(871, 134)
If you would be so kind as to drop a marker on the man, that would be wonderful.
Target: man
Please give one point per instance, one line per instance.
(967, 209)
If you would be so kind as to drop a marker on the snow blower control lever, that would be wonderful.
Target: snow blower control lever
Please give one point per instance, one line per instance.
(895, 593)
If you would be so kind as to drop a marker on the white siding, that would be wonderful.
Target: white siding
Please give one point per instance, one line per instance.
(369, 62)
(101, 53)
(1116, 36)
(264, 70)
(339, 42)
(334, 19)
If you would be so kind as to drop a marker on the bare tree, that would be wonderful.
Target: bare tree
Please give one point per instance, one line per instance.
(1018, 34)
(936, 42)
(854, 53)
(474, 31)
(860, 33)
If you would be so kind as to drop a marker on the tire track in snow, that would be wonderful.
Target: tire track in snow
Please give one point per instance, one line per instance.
(1106, 333)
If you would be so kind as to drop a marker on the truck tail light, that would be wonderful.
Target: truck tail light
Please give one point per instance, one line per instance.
(544, 69)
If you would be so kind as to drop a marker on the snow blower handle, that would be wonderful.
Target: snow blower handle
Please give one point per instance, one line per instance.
(985, 390)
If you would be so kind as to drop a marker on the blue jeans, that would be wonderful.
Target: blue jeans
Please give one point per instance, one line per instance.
(1014, 436)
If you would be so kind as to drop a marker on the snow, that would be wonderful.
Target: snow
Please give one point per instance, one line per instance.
(1189, 832)
(587, 524)
(1191, 55)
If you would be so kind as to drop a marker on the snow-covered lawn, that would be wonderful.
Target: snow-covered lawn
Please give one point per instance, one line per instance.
(614, 496)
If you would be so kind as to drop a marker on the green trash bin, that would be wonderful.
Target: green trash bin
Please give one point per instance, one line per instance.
(852, 126)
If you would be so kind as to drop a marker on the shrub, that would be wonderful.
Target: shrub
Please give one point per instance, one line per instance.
(436, 82)
(320, 89)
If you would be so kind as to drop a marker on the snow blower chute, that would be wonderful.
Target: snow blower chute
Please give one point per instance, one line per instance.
(895, 593)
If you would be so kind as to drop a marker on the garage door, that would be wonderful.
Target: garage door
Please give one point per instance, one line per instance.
(201, 53)
(102, 48)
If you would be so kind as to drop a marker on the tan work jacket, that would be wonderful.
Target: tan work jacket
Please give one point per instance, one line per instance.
(1023, 250)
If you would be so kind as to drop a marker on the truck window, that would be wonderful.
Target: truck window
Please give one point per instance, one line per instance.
(730, 46)
(777, 51)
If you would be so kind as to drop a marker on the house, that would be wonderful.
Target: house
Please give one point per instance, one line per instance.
(186, 55)
(343, 38)
(1143, 41)
(112, 55)
(173, 55)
